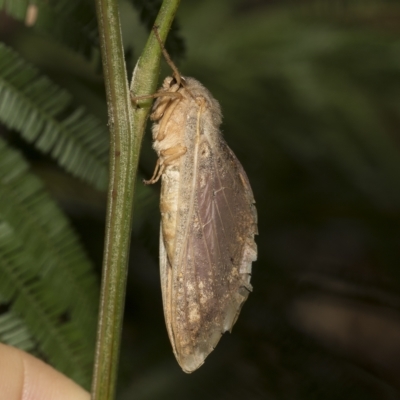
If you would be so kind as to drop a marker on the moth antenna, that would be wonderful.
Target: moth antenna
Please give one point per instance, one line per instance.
(174, 68)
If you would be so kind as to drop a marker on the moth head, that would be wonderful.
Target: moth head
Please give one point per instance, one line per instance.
(170, 82)
(167, 82)
(182, 80)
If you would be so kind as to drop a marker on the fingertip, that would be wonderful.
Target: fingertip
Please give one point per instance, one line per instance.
(24, 377)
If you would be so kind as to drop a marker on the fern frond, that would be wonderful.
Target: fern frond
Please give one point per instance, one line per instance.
(14, 332)
(45, 275)
(41, 112)
(71, 22)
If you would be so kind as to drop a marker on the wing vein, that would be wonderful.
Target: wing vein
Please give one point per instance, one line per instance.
(222, 187)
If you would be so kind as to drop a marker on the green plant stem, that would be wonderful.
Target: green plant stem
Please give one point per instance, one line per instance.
(126, 128)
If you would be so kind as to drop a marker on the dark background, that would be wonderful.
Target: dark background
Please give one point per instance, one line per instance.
(310, 97)
(310, 93)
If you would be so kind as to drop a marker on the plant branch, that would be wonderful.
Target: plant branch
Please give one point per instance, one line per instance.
(126, 130)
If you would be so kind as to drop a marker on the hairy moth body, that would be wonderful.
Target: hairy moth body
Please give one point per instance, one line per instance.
(208, 221)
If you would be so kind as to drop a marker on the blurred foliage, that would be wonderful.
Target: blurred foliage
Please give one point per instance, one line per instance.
(48, 286)
(73, 23)
(44, 277)
(310, 92)
(34, 106)
(148, 10)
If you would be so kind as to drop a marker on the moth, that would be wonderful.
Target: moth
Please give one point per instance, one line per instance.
(208, 219)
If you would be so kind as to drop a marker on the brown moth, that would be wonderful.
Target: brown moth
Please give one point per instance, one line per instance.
(208, 219)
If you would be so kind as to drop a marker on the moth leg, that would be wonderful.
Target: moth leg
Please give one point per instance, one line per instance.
(172, 153)
(161, 128)
(156, 174)
(160, 107)
(135, 99)
(166, 157)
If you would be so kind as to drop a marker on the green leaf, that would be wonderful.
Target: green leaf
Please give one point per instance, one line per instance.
(42, 112)
(45, 277)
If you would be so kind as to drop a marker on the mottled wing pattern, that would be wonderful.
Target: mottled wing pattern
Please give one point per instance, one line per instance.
(213, 279)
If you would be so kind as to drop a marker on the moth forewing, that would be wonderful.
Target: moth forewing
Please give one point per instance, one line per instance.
(208, 220)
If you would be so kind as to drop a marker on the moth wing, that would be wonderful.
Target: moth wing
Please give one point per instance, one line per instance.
(213, 274)
(166, 280)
